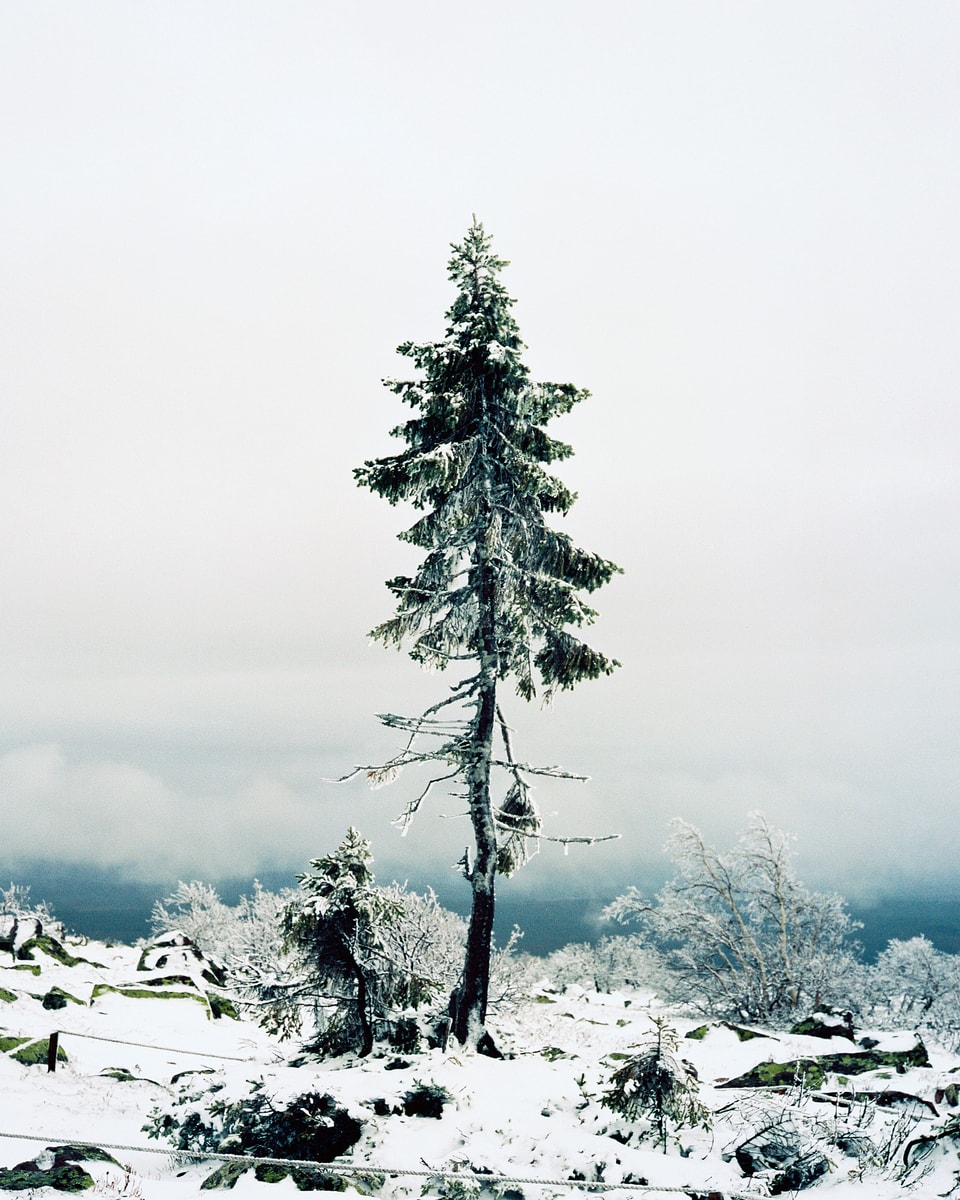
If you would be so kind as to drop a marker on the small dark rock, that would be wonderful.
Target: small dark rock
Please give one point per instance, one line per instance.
(821, 1025)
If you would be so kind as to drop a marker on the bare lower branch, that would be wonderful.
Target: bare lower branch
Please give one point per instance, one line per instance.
(529, 769)
(405, 820)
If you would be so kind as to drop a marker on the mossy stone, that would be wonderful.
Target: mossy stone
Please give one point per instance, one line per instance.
(63, 1176)
(32, 1054)
(7, 997)
(225, 1176)
(145, 993)
(11, 1043)
(57, 998)
(269, 1173)
(65, 1154)
(28, 1176)
(320, 1181)
(170, 981)
(744, 1034)
(815, 1070)
(52, 948)
(220, 1006)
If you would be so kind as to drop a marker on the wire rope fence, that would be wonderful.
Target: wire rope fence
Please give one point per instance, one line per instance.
(695, 1192)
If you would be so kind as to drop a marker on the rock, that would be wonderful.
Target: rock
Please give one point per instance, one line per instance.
(57, 998)
(8, 932)
(224, 1176)
(800, 1174)
(780, 1150)
(774, 1149)
(815, 1070)
(826, 1025)
(58, 1168)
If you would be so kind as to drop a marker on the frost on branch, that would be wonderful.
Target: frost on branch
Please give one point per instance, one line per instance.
(745, 938)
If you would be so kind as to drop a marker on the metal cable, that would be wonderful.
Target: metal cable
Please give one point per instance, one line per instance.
(300, 1164)
(95, 1037)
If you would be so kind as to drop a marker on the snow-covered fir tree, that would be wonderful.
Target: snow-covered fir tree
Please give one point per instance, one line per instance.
(498, 589)
(335, 922)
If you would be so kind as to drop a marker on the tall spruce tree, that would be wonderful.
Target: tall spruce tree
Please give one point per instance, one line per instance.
(498, 588)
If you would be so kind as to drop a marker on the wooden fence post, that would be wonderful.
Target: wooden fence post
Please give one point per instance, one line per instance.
(52, 1049)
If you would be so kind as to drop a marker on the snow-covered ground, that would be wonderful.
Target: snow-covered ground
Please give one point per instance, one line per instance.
(533, 1119)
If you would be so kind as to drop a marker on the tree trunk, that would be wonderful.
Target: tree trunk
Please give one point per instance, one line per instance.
(366, 1029)
(468, 1004)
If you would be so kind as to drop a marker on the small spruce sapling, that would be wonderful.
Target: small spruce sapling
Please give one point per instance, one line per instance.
(658, 1085)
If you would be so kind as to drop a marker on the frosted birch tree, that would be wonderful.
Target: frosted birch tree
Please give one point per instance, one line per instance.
(745, 938)
(499, 594)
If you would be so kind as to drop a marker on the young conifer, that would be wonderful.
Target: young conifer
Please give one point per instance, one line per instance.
(497, 588)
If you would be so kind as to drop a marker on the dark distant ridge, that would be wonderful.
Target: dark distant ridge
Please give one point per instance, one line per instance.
(101, 904)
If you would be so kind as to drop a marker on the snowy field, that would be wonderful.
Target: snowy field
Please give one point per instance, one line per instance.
(137, 1034)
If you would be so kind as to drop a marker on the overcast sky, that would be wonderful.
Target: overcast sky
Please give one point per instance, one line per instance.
(736, 224)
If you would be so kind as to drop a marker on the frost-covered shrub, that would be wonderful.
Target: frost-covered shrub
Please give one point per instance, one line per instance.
(657, 1087)
(625, 961)
(915, 985)
(744, 937)
(426, 1100)
(424, 943)
(244, 939)
(309, 1127)
(16, 900)
(278, 949)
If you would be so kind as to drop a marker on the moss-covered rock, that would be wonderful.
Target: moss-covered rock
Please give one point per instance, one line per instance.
(270, 1173)
(145, 993)
(176, 951)
(57, 998)
(28, 1177)
(225, 1176)
(164, 981)
(826, 1025)
(815, 1070)
(220, 1006)
(11, 1043)
(53, 949)
(63, 1174)
(323, 1181)
(120, 1074)
(72, 1153)
(743, 1034)
(305, 1179)
(33, 1054)
(7, 997)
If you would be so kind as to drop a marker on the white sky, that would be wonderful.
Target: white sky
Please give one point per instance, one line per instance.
(736, 224)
